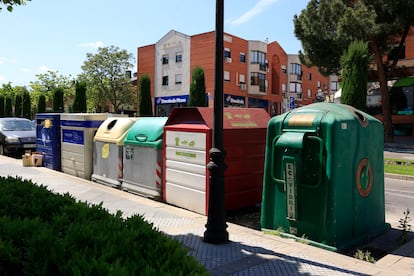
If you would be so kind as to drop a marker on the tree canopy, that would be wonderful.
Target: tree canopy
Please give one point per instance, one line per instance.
(145, 102)
(355, 62)
(10, 3)
(197, 88)
(106, 74)
(48, 82)
(327, 27)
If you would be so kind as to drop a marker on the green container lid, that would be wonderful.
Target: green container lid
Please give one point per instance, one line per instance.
(146, 132)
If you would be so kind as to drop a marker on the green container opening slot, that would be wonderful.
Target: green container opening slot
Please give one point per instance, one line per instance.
(324, 176)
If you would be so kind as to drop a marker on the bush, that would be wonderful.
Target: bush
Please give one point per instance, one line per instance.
(76, 238)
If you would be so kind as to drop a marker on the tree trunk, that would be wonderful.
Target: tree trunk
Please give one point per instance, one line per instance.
(382, 78)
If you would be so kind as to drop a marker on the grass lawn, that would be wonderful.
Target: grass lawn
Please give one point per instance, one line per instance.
(398, 166)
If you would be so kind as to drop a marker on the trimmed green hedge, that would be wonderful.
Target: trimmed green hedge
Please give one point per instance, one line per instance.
(42, 233)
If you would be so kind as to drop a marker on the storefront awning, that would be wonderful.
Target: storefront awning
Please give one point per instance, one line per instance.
(402, 82)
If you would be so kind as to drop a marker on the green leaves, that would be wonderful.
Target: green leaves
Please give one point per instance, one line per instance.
(11, 3)
(355, 63)
(144, 101)
(197, 88)
(42, 233)
(106, 75)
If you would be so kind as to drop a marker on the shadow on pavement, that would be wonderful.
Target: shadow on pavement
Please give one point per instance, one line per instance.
(235, 257)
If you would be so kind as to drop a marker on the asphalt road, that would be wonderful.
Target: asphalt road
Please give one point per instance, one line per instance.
(399, 196)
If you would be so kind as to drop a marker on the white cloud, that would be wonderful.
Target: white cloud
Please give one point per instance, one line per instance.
(254, 11)
(6, 60)
(2, 79)
(24, 70)
(94, 45)
(44, 68)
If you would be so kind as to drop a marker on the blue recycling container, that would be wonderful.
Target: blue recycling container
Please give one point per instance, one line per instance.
(48, 139)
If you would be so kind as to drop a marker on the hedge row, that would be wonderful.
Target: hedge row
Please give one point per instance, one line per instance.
(42, 233)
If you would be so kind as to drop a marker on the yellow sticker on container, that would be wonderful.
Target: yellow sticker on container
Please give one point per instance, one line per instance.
(301, 120)
(105, 151)
(48, 123)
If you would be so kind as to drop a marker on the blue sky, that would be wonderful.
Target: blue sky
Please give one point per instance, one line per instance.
(56, 35)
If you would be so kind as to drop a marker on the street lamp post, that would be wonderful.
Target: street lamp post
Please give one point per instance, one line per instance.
(216, 227)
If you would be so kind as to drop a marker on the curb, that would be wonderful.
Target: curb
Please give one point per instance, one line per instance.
(399, 176)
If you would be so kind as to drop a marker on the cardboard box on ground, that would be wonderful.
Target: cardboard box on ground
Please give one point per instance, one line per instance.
(32, 159)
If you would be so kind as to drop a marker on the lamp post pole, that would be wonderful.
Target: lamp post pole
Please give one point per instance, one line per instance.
(216, 227)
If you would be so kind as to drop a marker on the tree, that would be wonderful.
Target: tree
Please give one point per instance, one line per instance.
(79, 104)
(18, 106)
(26, 105)
(10, 3)
(2, 106)
(106, 74)
(41, 105)
(8, 109)
(58, 102)
(355, 64)
(145, 102)
(197, 88)
(327, 27)
(48, 82)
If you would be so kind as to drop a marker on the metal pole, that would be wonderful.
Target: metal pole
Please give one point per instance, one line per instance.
(216, 227)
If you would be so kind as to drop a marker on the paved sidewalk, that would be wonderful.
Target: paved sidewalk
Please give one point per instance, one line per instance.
(249, 252)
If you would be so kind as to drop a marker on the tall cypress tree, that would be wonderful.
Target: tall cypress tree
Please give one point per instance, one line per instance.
(79, 104)
(18, 107)
(8, 109)
(26, 105)
(2, 106)
(197, 88)
(355, 62)
(41, 105)
(145, 103)
(58, 102)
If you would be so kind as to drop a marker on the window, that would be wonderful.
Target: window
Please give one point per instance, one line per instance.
(334, 86)
(319, 84)
(295, 87)
(309, 93)
(309, 76)
(227, 53)
(242, 57)
(257, 57)
(283, 87)
(178, 79)
(226, 76)
(165, 59)
(258, 79)
(179, 57)
(242, 78)
(296, 69)
(284, 69)
(165, 80)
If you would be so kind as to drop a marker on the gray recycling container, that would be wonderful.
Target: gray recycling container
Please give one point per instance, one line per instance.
(78, 130)
(142, 172)
(108, 150)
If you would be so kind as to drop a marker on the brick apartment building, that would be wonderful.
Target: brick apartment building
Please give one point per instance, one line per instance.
(256, 73)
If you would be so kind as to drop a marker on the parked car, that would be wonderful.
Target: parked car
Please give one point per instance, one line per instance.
(17, 135)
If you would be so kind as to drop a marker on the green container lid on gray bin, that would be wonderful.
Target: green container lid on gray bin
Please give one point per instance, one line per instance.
(146, 132)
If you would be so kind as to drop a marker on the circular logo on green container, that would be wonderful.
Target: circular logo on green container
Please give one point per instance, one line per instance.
(364, 177)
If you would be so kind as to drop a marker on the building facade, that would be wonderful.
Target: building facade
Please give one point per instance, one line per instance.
(256, 73)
